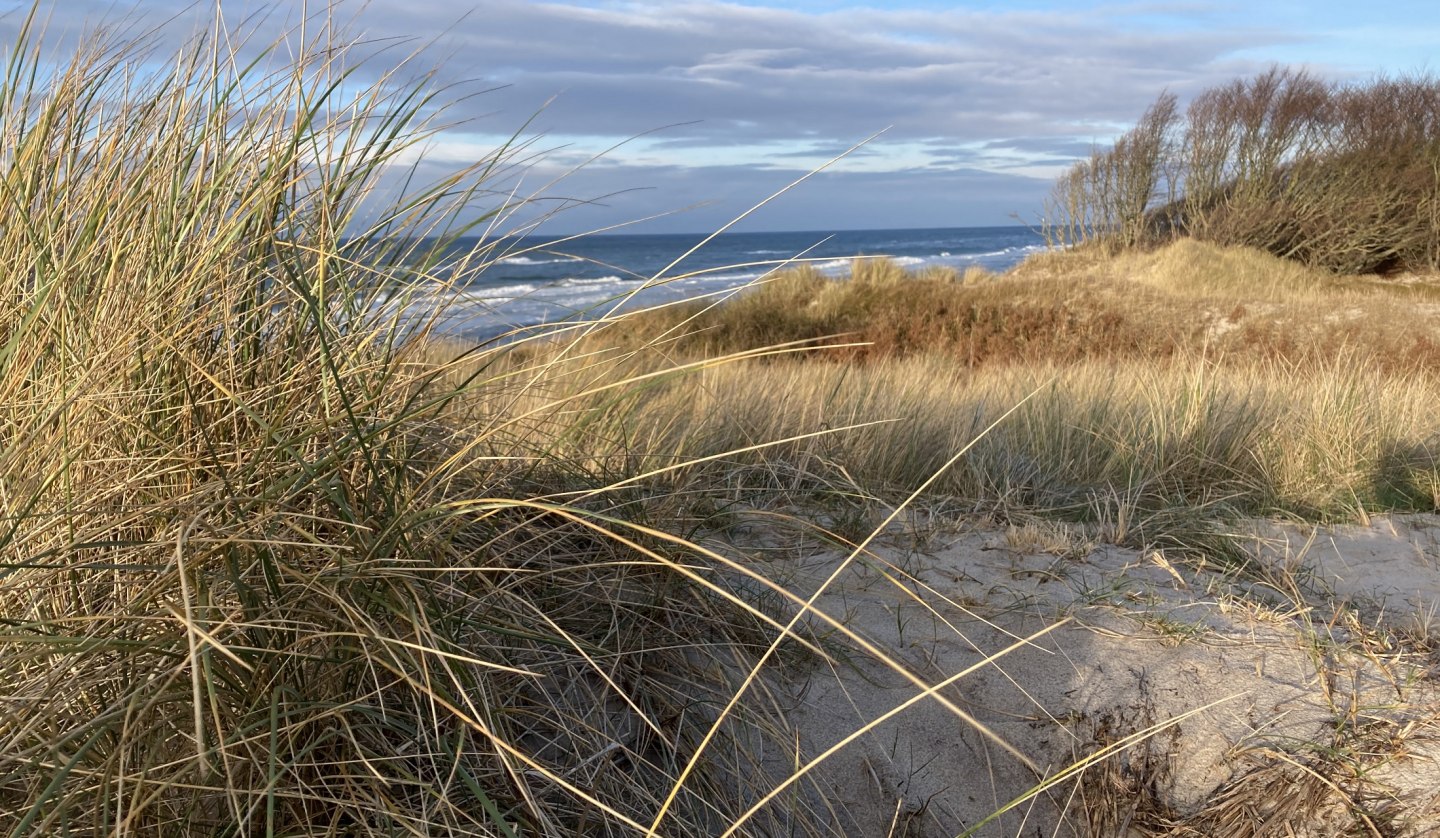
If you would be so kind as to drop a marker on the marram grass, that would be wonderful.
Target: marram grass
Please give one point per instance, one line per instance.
(275, 562)
(1219, 379)
(250, 582)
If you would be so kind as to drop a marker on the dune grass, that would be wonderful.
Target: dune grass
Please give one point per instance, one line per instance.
(275, 559)
(1182, 301)
(1324, 442)
(1192, 377)
(251, 582)
(269, 565)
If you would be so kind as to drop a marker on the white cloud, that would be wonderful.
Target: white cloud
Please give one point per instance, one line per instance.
(751, 89)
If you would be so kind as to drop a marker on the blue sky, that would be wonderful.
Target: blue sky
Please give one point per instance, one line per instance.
(981, 104)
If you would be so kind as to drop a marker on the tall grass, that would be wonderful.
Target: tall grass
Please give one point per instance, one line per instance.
(1219, 379)
(272, 561)
(1189, 298)
(250, 582)
(1323, 441)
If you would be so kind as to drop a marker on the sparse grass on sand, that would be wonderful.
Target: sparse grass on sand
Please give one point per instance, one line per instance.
(277, 560)
(1145, 410)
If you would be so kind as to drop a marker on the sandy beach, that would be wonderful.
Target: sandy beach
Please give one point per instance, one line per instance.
(1295, 696)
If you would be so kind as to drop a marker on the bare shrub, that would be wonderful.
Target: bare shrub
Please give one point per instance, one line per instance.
(1109, 196)
(1341, 177)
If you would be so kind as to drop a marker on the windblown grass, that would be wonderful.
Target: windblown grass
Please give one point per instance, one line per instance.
(1190, 377)
(250, 582)
(272, 561)
(1322, 441)
(1187, 299)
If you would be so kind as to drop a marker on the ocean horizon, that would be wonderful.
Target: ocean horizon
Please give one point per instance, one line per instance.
(535, 280)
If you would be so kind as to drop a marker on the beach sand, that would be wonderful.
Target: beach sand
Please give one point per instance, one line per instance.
(1295, 696)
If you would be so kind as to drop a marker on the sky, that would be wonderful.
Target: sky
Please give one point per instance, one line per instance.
(694, 111)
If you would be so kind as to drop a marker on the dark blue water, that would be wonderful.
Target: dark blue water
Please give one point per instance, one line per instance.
(544, 280)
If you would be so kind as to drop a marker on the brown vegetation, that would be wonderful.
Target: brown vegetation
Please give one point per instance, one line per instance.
(272, 563)
(1178, 379)
(1183, 301)
(251, 582)
(1345, 177)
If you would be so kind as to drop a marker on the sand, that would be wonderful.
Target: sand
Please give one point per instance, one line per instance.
(1295, 696)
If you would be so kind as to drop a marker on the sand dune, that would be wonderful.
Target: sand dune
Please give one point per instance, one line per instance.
(1294, 694)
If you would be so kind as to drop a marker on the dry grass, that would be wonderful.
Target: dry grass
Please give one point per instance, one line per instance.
(250, 581)
(1186, 299)
(1328, 440)
(1192, 376)
(272, 561)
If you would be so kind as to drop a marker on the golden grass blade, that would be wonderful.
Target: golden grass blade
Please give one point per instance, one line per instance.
(930, 692)
(1080, 766)
(809, 607)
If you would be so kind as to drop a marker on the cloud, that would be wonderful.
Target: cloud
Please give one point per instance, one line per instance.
(750, 74)
(1042, 145)
(747, 92)
(702, 198)
(761, 75)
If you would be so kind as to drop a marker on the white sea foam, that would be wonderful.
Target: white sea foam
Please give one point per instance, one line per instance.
(501, 301)
(574, 282)
(831, 266)
(723, 279)
(502, 292)
(1002, 252)
(1007, 253)
(526, 260)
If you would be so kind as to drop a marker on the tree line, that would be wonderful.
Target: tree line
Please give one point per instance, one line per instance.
(1343, 176)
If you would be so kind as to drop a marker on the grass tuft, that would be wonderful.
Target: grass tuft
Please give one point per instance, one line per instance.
(254, 578)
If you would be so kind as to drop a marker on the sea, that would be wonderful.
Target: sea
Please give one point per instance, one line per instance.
(522, 283)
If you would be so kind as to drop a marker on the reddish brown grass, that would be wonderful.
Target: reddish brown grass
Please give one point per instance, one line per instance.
(1067, 308)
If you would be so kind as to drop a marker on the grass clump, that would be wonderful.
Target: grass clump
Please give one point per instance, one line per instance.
(976, 322)
(1185, 300)
(251, 581)
(1259, 438)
